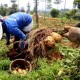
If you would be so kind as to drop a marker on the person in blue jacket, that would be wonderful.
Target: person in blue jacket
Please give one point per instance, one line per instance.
(17, 24)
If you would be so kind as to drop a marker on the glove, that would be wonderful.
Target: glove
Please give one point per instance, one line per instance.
(8, 43)
(22, 45)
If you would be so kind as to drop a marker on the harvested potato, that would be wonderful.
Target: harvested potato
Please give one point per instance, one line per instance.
(24, 72)
(49, 41)
(15, 72)
(57, 37)
(20, 71)
(17, 68)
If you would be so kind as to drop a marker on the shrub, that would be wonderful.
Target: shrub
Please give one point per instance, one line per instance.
(71, 13)
(77, 17)
(54, 13)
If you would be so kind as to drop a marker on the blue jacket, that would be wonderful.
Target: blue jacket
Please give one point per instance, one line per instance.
(15, 23)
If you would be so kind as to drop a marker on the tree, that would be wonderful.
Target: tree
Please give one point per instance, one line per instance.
(36, 12)
(36, 4)
(54, 12)
(6, 9)
(57, 2)
(64, 4)
(49, 6)
(6, 5)
(76, 3)
(3, 10)
(14, 8)
(28, 7)
(70, 14)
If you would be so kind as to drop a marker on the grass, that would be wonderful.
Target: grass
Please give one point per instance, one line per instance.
(47, 70)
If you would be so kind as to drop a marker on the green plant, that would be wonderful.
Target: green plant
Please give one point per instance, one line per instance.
(4, 64)
(54, 12)
(70, 14)
(3, 49)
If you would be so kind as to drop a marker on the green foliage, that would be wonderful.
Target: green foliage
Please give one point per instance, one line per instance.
(45, 70)
(77, 15)
(77, 3)
(4, 64)
(3, 49)
(70, 68)
(4, 75)
(3, 10)
(69, 53)
(13, 9)
(54, 13)
(71, 13)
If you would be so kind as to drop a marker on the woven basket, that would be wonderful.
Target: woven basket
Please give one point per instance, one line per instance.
(23, 64)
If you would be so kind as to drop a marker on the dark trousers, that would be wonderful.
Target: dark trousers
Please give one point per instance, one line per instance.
(16, 43)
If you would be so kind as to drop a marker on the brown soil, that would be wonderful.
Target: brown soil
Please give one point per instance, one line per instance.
(55, 55)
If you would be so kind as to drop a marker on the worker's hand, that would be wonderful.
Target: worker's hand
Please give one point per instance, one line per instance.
(8, 43)
(22, 44)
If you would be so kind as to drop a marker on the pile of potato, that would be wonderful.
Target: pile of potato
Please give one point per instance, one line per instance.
(19, 71)
(57, 37)
(52, 39)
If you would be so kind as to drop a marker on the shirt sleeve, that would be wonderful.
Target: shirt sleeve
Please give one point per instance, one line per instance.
(7, 36)
(17, 32)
